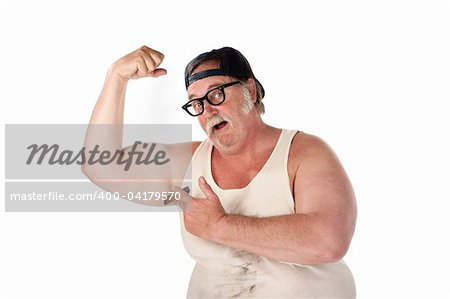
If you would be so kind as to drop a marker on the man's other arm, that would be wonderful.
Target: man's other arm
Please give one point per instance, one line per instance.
(322, 227)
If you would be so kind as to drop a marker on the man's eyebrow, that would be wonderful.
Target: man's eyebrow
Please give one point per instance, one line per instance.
(211, 87)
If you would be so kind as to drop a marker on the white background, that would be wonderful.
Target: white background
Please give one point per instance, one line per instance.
(370, 77)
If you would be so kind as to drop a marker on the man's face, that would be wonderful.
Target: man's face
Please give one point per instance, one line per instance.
(224, 124)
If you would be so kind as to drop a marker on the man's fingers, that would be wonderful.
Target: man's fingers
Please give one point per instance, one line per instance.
(155, 55)
(153, 59)
(206, 189)
(151, 65)
(185, 201)
(141, 67)
(158, 72)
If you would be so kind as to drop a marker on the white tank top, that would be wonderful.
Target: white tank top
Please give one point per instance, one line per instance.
(224, 272)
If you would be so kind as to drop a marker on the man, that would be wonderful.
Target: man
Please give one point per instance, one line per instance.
(272, 211)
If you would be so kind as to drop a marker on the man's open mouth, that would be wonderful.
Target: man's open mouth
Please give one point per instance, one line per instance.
(220, 125)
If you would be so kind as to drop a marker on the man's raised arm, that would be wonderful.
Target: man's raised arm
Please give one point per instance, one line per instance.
(105, 130)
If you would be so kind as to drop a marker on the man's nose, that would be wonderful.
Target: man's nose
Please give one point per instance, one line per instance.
(209, 109)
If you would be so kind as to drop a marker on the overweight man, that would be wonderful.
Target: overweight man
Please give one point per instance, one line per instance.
(271, 211)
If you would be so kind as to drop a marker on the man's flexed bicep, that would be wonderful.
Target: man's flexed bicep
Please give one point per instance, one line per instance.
(140, 167)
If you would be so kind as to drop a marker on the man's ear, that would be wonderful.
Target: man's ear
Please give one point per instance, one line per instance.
(251, 86)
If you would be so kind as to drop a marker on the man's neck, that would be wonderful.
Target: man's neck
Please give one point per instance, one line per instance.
(260, 139)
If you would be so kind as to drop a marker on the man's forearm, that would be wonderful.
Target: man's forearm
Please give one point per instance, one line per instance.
(110, 105)
(108, 110)
(299, 238)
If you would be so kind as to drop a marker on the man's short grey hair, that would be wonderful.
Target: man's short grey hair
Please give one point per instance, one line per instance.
(247, 104)
(258, 104)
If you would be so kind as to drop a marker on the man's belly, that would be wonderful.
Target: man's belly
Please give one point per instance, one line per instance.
(263, 278)
(225, 272)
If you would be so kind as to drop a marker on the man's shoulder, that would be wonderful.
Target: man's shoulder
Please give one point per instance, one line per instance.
(308, 146)
(309, 154)
(308, 142)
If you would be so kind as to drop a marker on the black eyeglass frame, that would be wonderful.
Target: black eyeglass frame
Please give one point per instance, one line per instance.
(205, 98)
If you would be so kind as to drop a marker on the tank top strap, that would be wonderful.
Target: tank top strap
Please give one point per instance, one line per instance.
(281, 151)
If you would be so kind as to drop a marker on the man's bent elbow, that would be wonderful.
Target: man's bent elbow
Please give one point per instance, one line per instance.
(324, 254)
(85, 170)
(334, 244)
(88, 171)
(335, 253)
(93, 173)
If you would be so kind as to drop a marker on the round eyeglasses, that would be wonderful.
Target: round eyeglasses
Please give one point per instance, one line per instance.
(214, 97)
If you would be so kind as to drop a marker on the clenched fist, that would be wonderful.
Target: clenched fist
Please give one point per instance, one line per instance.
(140, 63)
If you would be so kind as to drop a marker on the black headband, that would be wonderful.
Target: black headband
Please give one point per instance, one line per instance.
(209, 73)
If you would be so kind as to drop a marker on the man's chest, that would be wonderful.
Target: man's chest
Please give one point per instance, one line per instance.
(235, 176)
